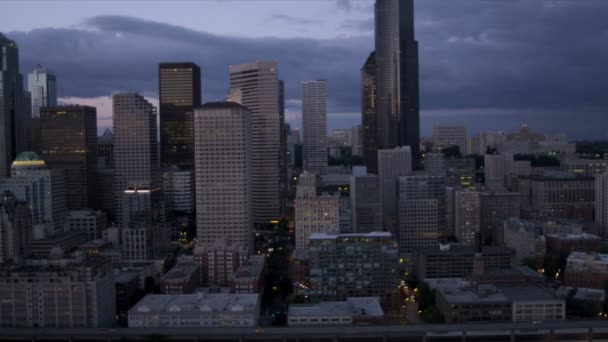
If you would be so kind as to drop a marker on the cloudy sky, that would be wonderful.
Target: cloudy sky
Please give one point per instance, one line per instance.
(490, 64)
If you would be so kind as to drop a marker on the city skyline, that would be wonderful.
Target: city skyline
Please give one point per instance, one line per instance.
(494, 69)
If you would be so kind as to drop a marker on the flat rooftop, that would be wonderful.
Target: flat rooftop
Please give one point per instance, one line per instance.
(361, 306)
(198, 302)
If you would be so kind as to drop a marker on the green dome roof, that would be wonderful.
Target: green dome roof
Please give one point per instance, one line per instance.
(28, 156)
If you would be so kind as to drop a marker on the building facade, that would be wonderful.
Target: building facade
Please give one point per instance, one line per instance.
(15, 228)
(74, 154)
(467, 216)
(92, 222)
(42, 86)
(366, 206)
(255, 86)
(179, 93)
(392, 164)
(314, 121)
(446, 135)
(369, 115)
(223, 164)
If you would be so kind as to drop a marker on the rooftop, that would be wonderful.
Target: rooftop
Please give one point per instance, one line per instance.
(205, 302)
(588, 257)
(252, 268)
(180, 272)
(221, 105)
(581, 236)
(326, 236)
(458, 290)
(360, 306)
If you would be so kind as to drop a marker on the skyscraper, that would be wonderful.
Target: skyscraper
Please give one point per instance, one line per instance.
(398, 117)
(392, 164)
(68, 141)
(42, 85)
(135, 145)
(369, 115)
(179, 93)
(366, 207)
(314, 119)
(283, 160)
(223, 174)
(12, 120)
(15, 228)
(256, 87)
(601, 202)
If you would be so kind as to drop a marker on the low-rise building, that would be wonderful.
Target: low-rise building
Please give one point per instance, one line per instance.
(219, 261)
(457, 262)
(89, 221)
(523, 237)
(199, 310)
(126, 285)
(70, 293)
(249, 278)
(61, 244)
(352, 311)
(181, 279)
(566, 243)
(586, 270)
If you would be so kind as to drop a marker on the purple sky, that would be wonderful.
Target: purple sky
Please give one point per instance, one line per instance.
(487, 64)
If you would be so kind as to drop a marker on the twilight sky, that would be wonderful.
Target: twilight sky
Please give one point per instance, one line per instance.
(490, 64)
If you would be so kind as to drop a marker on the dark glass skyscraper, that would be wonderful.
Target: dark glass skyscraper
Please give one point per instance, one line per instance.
(368, 113)
(12, 118)
(179, 93)
(398, 114)
(68, 141)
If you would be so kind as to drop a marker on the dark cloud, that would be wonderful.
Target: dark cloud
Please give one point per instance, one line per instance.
(293, 20)
(547, 59)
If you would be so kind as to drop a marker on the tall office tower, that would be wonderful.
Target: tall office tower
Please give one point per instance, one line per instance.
(422, 212)
(12, 118)
(15, 228)
(357, 141)
(314, 120)
(601, 202)
(44, 191)
(223, 177)
(42, 85)
(178, 190)
(496, 209)
(314, 213)
(467, 216)
(392, 164)
(143, 233)
(68, 137)
(179, 93)
(494, 172)
(369, 115)
(366, 206)
(105, 150)
(258, 89)
(398, 115)
(283, 160)
(135, 146)
(446, 135)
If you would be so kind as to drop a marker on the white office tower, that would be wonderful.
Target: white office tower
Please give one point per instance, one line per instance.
(494, 172)
(314, 213)
(422, 212)
(446, 135)
(44, 191)
(601, 202)
(467, 216)
(42, 85)
(258, 89)
(314, 119)
(365, 201)
(223, 176)
(392, 164)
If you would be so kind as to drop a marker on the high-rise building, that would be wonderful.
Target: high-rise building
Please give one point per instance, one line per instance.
(446, 135)
(12, 118)
(398, 117)
(105, 150)
(366, 206)
(369, 115)
(496, 209)
(68, 137)
(356, 141)
(494, 171)
(601, 202)
(392, 164)
(258, 89)
(61, 294)
(179, 93)
(42, 85)
(178, 192)
(44, 191)
(314, 119)
(223, 180)
(283, 160)
(135, 146)
(337, 270)
(422, 212)
(92, 222)
(143, 232)
(15, 228)
(467, 216)
(314, 213)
